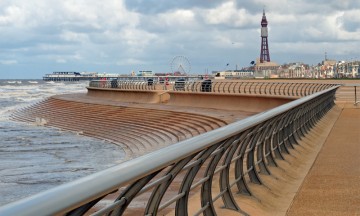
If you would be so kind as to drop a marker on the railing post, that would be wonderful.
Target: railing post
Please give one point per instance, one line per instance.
(250, 161)
(224, 182)
(158, 193)
(182, 204)
(239, 169)
(206, 194)
(355, 96)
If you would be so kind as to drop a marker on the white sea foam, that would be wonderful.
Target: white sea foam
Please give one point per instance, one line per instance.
(34, 158)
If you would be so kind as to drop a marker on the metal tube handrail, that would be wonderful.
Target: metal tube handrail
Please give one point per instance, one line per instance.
(71, 195)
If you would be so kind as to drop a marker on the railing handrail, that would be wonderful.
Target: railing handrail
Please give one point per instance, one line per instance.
(66, 197)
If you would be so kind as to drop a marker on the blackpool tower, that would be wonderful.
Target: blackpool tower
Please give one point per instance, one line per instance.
(264, 53)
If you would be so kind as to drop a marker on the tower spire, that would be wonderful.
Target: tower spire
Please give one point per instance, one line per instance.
(264, 53)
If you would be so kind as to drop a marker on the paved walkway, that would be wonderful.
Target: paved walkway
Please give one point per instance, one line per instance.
(332, 186)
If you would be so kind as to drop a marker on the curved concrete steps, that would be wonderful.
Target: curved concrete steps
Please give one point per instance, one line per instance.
(138, 130)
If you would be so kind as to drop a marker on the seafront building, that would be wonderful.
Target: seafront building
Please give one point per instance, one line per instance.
(145, 73)
(233, 74)
(348, 69)
(294, 70)
(266, 69)
(327, 69)
(337, 69)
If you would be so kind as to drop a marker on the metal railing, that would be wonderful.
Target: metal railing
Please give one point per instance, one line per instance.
(124, 84)
(258, 88)
(348, 93)
(224, 87)
(355, 95)
(250, 146)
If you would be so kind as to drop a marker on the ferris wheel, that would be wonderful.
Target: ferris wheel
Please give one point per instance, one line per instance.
(180, 64)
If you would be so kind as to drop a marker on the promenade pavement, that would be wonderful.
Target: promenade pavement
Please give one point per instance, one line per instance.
(332, 186)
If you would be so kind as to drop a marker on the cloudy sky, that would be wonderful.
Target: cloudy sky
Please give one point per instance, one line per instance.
(119, 36)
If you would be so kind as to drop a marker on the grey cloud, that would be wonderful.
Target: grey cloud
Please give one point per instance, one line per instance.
(80, 27)
(161, 6)
(147, 34)
(352, 26)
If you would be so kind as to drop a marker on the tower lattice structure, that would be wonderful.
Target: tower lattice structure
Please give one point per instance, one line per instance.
(264, 53)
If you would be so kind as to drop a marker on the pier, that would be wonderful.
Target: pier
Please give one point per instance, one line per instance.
(255, 147)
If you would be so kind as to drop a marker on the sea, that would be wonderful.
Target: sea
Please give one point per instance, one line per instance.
(36, 158)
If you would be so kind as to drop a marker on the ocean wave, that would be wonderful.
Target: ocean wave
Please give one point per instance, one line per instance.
(6, 111)
(35, 158)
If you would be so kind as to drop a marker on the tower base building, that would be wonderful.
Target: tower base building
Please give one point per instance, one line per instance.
(266, 69)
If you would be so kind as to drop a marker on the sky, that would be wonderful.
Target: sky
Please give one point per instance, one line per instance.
(120, 36)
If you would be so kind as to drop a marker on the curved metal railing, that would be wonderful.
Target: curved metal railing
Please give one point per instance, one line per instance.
(224, 87)
(124, 85)
(250, 145)
(258, 88)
